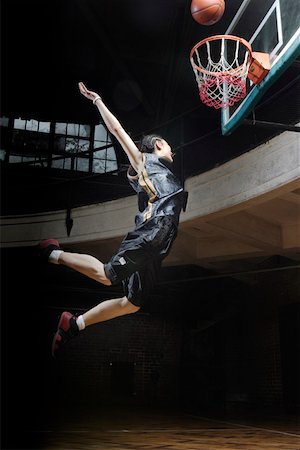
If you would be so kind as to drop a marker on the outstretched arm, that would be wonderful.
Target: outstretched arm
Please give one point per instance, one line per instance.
(114, 126)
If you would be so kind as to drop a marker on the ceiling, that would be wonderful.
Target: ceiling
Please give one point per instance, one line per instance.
(135, 53)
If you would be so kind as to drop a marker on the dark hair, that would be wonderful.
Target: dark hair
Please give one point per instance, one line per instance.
(147, 143)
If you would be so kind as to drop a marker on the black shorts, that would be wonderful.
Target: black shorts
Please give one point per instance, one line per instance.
(138, 260)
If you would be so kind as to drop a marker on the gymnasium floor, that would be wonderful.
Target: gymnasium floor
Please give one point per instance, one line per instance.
(122, 429)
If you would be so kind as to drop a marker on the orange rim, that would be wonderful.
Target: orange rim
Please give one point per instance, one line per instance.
(216, 38)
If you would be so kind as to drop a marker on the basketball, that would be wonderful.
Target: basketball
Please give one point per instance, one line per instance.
(207, 12)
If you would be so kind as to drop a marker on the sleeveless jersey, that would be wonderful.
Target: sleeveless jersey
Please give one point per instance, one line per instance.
(159, 191)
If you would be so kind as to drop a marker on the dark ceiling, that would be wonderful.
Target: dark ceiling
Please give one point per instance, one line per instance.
(135, 53)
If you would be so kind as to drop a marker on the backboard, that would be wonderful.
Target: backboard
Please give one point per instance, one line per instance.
(270, 26)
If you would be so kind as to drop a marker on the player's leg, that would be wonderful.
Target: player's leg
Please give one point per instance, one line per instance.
(69, 325)
(109, 309)
(85, 264)
(137, 287)
(50, 251)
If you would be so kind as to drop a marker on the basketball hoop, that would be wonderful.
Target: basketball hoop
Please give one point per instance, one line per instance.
(221, 65)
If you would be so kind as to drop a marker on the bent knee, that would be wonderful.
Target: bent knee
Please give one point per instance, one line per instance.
(106, 281)
(130, 307)
(101, 277)
(134, 308)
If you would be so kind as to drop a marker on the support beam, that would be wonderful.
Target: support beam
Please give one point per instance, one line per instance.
(278, 126)
(291, 236)
(232, 274)
(291, 197)
(250, 230)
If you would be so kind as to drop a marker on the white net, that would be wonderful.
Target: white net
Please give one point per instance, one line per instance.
(221, 83)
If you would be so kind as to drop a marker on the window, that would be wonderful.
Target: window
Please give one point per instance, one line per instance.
(74, 140)
(4, 121)
(30, 141)
(104, 159)
(62, 145)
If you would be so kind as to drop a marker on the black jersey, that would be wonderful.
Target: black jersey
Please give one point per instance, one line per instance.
(159, 191)
(140, 255)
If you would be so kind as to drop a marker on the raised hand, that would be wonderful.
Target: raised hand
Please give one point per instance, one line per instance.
(88, 94)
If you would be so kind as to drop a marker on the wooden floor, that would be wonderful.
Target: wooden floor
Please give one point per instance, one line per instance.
(125, 430)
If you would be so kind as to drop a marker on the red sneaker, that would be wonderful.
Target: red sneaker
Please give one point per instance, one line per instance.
(67, 329)
(45, 248)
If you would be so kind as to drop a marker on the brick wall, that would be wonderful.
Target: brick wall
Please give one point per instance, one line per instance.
(248, 360)
(134, 358)
(253, 361)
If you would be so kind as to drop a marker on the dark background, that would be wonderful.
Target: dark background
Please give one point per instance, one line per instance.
(135, 53)
(209, 346)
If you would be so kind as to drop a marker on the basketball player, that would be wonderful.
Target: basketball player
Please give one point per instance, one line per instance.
(138, 260)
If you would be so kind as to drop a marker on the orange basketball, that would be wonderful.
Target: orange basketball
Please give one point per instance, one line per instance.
(207, 12)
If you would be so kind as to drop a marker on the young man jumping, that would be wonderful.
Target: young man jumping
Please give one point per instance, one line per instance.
(138, 261)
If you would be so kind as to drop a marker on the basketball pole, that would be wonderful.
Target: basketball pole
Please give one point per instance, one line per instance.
(264, 124)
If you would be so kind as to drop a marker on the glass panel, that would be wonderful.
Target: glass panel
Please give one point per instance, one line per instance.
(18, 139)
(4, 121)
(44, 127)
(100, 154)
(82, 164)
(60, 128)
(64, 163)
(72, 129)
(15, 159)
(74, 145)
(99, 165)
(108, 153)
(67, 163)
(83, 145)
(71, 145)
(111, 154)
(33, 159)
(111, 166)
(19, 124)
(105, 161)
(32, 125)
(101, 133)
(30, 142)
(101, 144)
(84, 130)
(42, 142)
(59, 143)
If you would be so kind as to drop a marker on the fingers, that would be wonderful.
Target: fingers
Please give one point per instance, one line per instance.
(84, 91)
(82, 88)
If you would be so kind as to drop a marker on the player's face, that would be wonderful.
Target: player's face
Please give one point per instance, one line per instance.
(166, 151)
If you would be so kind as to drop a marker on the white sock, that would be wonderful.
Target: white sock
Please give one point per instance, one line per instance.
(54, 256)
(80, 323)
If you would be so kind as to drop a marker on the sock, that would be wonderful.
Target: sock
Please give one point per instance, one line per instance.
(80, 323)
(54, 255)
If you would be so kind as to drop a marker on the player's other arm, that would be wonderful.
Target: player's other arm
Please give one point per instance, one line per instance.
(115, 128)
